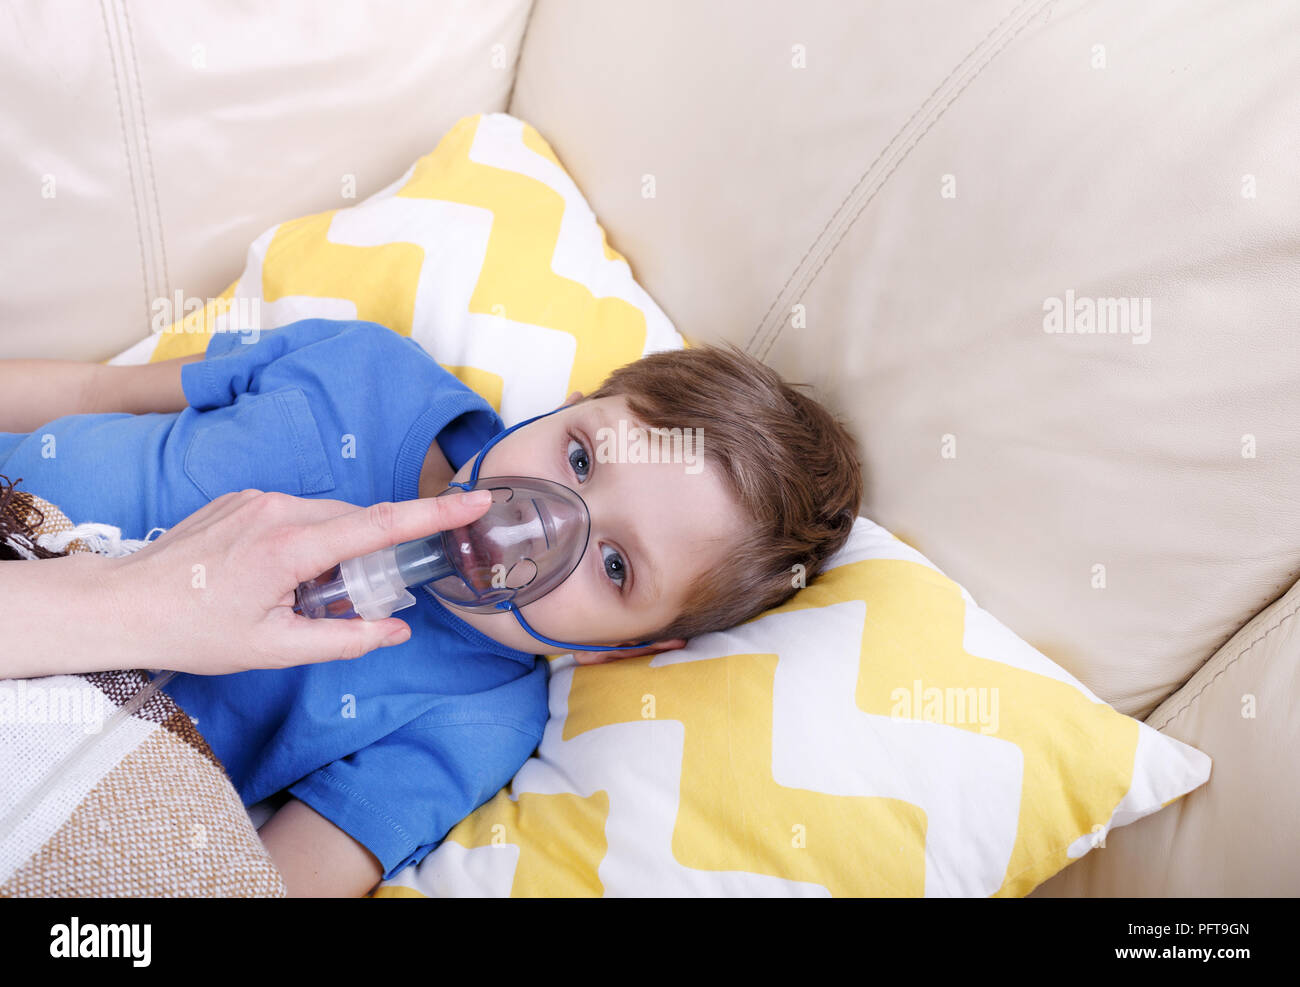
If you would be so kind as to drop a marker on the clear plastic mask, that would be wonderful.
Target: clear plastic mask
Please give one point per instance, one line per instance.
(531, 538)
(529, 542)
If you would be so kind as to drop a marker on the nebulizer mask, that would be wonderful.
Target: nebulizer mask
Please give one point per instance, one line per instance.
(529, 542)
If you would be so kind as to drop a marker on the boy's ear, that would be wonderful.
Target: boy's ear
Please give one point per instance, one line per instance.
(574, 397)
(599, 657)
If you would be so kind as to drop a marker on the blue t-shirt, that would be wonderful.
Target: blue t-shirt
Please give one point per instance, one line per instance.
(394, 747)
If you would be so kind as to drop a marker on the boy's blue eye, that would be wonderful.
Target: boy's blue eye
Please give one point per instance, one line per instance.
(578, 459)
(580, 463)
(614, 566)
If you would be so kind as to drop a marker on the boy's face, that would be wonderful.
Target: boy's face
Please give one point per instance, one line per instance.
(654, 528)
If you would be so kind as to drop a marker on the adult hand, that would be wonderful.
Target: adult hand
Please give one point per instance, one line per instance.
(215, 593)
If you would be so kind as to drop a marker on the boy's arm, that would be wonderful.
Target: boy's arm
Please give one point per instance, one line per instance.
(138, 389)
(33, 392)
(315, 857)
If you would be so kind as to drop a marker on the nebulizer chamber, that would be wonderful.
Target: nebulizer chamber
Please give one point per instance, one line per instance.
(529, 541)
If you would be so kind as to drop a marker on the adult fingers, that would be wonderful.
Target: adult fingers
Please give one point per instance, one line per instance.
(300, 640)
(262, 510)
(326, 543)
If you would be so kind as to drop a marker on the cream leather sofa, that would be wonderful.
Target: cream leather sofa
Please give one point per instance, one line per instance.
(893, 200)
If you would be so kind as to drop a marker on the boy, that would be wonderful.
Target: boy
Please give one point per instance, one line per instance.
(373, 760)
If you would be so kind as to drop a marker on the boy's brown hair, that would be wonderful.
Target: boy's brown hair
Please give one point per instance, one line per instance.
(789, 463)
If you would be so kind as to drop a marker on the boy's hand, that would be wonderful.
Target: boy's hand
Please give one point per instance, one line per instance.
(316, 858)
(215, 593)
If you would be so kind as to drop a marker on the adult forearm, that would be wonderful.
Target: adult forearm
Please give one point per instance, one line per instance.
(57, 618)
(34, 392)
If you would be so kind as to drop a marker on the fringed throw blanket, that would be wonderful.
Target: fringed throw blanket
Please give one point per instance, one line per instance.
(103, 794)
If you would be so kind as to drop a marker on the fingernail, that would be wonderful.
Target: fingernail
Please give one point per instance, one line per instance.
(397, 637)
(476, 498)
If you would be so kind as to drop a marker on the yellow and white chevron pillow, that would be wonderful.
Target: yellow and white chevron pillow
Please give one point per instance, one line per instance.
(485, 253)
(879, 734)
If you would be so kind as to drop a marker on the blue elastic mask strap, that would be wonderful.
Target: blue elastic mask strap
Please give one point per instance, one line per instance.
(482, 453)
(561, 644)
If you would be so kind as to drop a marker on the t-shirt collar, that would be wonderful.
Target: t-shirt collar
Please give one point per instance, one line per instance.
(474, 635)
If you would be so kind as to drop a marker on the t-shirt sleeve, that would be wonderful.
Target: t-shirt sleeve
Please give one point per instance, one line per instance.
(235, 361)
(467, 434)
(401, 795)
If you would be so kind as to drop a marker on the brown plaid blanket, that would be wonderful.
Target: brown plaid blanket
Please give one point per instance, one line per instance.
(89, 807)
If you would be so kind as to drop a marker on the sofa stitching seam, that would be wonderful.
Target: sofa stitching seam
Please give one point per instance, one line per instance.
(1263, 634)
(519, 57)
(147, 164)
(840, 209)
(126, 149)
